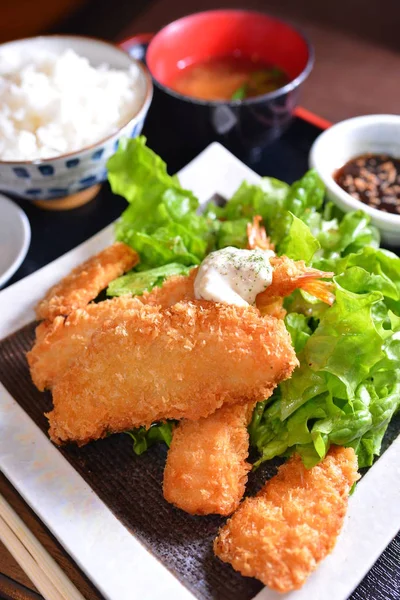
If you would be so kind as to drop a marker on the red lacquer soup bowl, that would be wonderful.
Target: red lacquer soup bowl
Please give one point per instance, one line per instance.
(241, 125)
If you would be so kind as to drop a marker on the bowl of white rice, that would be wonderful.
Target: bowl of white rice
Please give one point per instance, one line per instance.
(65, 101)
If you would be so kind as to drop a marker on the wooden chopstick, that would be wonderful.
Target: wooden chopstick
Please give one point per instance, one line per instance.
(27, 562)
(13, 590)
(34, 559)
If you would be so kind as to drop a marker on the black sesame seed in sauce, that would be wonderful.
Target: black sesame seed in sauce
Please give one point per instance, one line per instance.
(374, 179)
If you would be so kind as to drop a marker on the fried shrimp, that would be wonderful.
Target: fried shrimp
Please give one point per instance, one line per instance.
(288, 275)
(153, 364)
(281, 535)
(60, 342)
(257, 236)
(86, 281)
(206, 468)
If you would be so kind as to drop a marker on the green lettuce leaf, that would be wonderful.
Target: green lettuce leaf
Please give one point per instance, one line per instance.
(299, 329)
(346, 330)
(161, 223)
(305, 195)
(347, 387)
(303, 200)
(341, 236)
(250, 200)
(299, 243)
(135, 283)
(383, 267)
(140, 176)
(232, 233)
(169, 243)
(144, 438)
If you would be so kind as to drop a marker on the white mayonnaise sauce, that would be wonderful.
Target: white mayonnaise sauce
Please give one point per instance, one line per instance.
(234, 276)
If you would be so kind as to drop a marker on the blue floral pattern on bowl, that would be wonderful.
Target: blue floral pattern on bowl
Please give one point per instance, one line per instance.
(63, 176)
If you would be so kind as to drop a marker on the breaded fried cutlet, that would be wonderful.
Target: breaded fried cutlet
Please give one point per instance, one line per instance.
(178, 288)
(206, 468)
(281, 535)
(60, 342)
(86, 281)
(154, 364)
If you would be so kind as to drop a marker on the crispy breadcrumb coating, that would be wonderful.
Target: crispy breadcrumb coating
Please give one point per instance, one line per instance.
(153, 364)
(281, 535)
(206, 468)
(178, 288)
(86, 281)
(60, 342)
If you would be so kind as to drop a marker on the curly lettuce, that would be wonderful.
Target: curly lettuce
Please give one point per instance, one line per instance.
(143, 438)
(161, 222)
(347, 387)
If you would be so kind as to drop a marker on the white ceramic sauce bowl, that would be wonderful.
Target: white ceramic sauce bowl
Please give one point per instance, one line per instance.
(378, 134)
(51, 182)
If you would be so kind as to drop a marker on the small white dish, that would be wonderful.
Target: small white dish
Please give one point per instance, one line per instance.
(351, 138)
(15, 237)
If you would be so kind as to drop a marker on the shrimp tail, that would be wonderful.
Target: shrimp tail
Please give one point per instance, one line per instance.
(257, 236)
(323, 290)
(290, 275)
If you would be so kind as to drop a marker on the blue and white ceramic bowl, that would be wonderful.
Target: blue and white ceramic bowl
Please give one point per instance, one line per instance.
(71, 174)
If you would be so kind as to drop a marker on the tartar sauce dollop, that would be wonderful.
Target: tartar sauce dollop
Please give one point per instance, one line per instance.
(234, 276)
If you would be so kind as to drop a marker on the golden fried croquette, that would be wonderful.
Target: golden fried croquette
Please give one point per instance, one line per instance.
(281, 535)
(86, 281)
(206, 468)
(60, 342)
(153, 364)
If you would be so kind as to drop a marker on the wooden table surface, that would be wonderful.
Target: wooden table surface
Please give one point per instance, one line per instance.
(353, 75)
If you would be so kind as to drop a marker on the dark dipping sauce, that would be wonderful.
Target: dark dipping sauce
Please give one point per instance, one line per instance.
(374, 179)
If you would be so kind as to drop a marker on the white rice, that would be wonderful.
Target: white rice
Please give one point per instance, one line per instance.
(52, 104)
